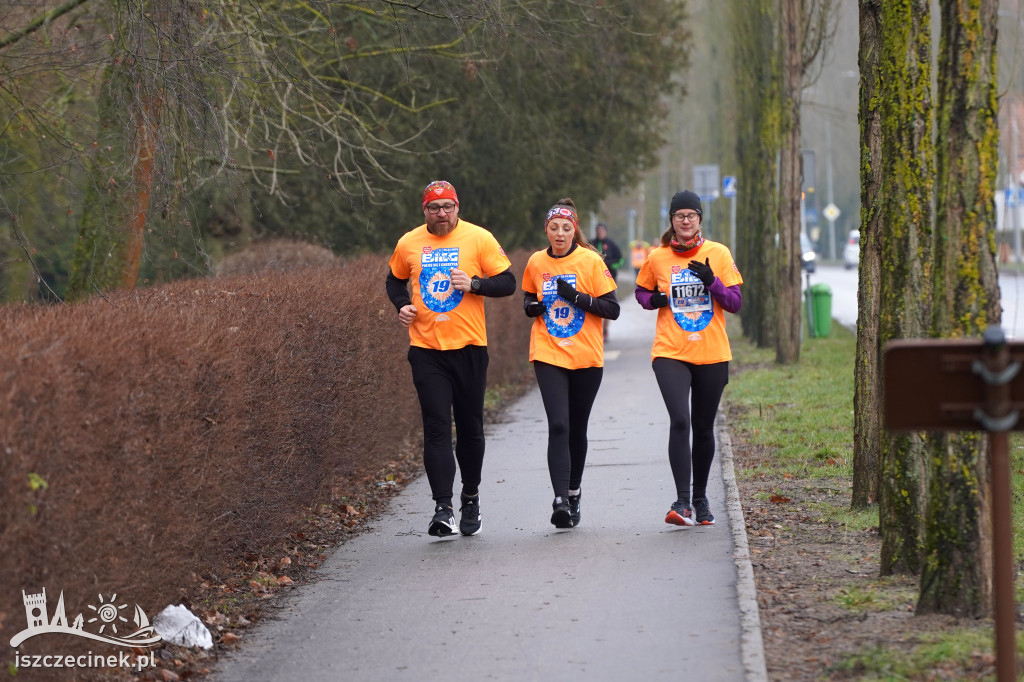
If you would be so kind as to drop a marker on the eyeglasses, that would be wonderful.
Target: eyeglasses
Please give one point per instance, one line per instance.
(434, 209)
(686, 217)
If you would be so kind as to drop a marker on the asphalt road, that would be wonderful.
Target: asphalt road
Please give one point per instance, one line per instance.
(622, 596)
(843, 284)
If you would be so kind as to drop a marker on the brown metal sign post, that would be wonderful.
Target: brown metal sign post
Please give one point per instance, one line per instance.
(968, 385)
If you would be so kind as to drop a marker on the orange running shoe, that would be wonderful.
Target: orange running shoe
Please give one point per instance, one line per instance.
(680, 514)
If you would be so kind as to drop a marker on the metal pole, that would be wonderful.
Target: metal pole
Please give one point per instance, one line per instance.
(809, 304)
(828, 175)
(803, 217)
(641, 217)
(998, 406)
(1002, 557)
(732, 224)
(1012, 162)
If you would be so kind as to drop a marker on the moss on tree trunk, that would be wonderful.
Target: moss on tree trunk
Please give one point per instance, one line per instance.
(957, 542)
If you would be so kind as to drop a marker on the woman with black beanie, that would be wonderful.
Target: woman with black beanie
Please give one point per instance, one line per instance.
(691, 281)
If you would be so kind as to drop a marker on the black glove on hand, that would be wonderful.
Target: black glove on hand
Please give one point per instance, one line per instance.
(703, 271)
(535, 309)
(566, 291)
(658, 298)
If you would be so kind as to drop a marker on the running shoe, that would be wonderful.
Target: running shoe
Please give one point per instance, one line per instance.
(470, 522)
(443, 523)
(703, 512)
(560, 516)
(574, 508)
(680, 514)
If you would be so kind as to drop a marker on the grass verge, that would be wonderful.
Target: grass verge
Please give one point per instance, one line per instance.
(797, 421)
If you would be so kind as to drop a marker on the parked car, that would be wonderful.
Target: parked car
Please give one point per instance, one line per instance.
(851, 250)
(807, 254)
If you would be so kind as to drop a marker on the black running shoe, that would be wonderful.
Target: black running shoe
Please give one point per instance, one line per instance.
(443, 523)
(470, 522)
(560, 516)
(574, 508)
(681, 514)
(702, 512)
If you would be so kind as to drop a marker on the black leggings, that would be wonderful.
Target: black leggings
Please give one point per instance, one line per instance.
(447, 382)
(682, 383)
(568, 395)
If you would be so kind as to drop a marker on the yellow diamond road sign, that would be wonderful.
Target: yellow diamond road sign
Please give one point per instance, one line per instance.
(831, 212)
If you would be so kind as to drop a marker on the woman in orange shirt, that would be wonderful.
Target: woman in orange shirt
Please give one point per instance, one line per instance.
(692, 282)
(567, 290)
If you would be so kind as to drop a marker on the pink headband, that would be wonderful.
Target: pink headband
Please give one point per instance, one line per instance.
(562, 211)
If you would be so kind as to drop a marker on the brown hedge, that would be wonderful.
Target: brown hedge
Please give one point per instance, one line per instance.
(182, 427)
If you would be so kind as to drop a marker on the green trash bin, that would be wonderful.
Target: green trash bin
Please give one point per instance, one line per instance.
(819, 310)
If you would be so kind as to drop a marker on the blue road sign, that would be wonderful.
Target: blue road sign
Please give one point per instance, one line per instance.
(729, 186)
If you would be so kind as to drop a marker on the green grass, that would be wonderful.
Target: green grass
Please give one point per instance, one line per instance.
(803, 413)
(962, 649)
(882, 596)
(803, 416)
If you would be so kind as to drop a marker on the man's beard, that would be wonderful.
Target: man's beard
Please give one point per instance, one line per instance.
(441, 229)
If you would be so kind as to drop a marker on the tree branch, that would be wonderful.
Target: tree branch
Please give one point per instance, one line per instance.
(254, 169)
(41, 21)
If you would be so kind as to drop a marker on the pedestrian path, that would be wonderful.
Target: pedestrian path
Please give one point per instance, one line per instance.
(622, 596)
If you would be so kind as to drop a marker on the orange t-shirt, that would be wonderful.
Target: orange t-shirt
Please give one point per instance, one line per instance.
(691, 327)
(446, 318)
(565, 335)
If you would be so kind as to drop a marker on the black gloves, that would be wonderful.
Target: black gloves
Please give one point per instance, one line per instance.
(703, 272)
(566, 291)
(658, 298)
(535, 309)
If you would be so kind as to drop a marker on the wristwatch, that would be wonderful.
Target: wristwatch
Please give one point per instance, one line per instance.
(474, 285)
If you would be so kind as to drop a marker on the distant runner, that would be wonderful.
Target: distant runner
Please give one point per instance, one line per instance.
(613, 259)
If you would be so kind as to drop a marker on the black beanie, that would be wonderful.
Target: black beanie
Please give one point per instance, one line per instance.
(685, 199)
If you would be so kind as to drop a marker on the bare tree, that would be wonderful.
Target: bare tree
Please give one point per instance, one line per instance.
(153, 117)
(804, 30)
(159, 97)
(758, 139)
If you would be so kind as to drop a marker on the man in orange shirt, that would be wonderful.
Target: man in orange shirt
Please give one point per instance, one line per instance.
(452, 265)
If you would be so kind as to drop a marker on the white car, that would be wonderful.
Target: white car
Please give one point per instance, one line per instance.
(851, 251)
(807, 255)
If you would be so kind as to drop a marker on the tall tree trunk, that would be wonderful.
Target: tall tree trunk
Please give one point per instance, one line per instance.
(787, 346)
(116, 207)
(758, 139)
(957, 542)
(867, 414)
(96, 264)
(895, 243)
(147, 115)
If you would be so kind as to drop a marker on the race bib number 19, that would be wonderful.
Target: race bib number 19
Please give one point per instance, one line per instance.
(562, 318)
(436, 288)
